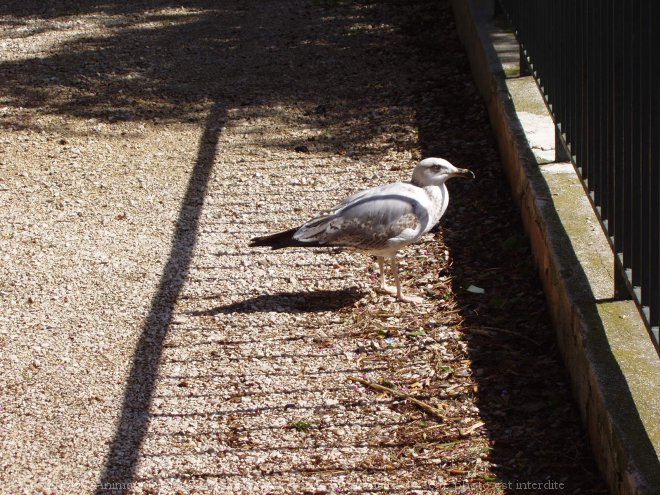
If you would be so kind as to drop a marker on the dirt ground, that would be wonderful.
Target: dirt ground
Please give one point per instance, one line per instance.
(144, 348)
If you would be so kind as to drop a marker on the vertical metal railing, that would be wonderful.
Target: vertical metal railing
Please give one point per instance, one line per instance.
(597, 63)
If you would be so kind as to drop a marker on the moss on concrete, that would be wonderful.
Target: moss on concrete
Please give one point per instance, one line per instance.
(526, 96)
(637, 361)
(588, 243)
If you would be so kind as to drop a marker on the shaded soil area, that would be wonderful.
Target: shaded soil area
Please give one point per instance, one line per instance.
(516, 376)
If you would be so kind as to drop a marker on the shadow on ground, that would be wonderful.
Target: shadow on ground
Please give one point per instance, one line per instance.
(290, 302)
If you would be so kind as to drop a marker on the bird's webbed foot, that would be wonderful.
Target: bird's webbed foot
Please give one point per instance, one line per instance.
(410, 299)
(387, 289)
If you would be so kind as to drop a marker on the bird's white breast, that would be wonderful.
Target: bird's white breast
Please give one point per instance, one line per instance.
(438, 202)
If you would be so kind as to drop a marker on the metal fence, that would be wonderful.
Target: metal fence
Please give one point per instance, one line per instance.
(597, 63)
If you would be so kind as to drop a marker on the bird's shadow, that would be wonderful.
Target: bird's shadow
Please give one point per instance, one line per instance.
(290, 302)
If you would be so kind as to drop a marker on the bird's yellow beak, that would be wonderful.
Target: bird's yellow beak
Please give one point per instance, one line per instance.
(464, 172)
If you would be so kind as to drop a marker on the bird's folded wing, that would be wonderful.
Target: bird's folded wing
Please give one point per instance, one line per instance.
(374, 192)
(371, 219)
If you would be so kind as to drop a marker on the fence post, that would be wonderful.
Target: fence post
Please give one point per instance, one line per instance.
(524, 64)
(497, 9)
(561, 153)
(621, 291)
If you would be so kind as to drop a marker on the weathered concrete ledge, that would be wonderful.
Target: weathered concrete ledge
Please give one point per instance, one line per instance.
(614, 368)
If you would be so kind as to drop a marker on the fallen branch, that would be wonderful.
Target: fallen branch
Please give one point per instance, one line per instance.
(433, 411)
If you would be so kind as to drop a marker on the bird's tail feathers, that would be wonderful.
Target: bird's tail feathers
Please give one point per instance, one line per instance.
(316, 227)
(281, 240)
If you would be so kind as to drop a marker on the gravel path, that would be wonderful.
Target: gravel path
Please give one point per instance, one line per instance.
(145, 349)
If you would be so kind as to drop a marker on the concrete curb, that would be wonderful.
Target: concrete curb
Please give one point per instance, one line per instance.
(614, 369)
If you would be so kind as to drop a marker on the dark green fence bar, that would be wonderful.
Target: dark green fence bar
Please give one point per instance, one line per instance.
(597, 63)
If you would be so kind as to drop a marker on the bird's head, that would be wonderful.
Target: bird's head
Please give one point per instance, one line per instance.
(436, 171)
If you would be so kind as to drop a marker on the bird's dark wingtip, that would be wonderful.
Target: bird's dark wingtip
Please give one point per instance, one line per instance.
(283, 239)
(256, 242)
(276, 241)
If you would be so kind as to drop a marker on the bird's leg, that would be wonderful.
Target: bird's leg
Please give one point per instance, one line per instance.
(381, 268)
(399, 293)
(383, 286)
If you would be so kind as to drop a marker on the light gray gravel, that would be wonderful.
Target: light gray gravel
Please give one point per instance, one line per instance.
(91, 198)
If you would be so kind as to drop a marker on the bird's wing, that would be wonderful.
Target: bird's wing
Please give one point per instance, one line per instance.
(374, 191)
(371, 219)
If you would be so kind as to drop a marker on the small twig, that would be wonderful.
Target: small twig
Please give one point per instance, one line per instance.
(465, 432)
(433, 411)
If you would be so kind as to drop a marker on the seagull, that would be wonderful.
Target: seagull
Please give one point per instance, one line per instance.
(379, 221)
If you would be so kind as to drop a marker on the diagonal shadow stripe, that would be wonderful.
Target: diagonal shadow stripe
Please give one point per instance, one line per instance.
(119, 470)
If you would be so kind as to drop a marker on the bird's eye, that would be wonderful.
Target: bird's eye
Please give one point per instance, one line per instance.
(436, 168)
